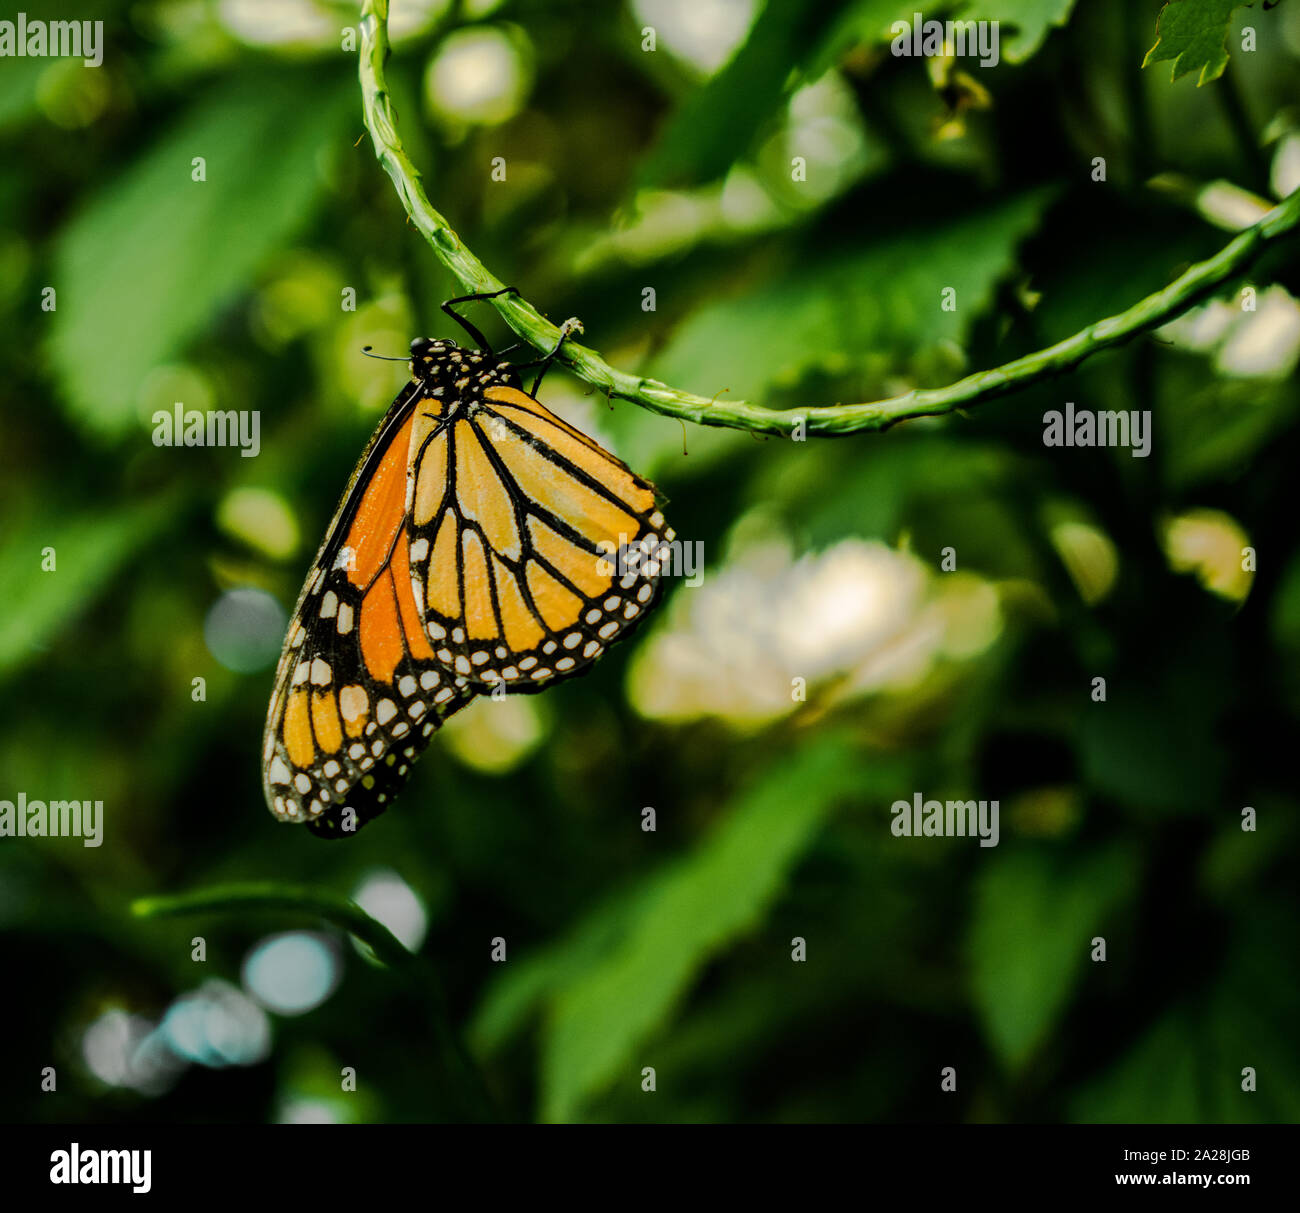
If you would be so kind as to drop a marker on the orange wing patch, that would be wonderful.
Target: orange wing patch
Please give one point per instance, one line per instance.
(379, 516)
(358, 690)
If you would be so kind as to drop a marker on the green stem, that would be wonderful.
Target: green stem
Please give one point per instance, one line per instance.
(1201, 280)
(241, 898)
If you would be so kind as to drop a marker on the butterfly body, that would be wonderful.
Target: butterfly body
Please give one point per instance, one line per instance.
(481, 547)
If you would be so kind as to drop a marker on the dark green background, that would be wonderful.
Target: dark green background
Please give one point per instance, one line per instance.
(671, 949)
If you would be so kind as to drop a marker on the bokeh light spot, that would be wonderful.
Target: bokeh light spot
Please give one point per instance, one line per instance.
(244, 629)
(293, 972)
(388, 899)
(477, 75)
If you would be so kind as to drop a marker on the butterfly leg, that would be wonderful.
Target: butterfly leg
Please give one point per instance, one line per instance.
(478, 337)
(572, 325)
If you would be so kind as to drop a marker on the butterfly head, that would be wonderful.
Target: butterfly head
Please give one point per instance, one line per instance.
(427, 353)
(441, 365)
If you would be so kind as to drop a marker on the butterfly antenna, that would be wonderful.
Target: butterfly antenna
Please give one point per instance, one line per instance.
(366, 349)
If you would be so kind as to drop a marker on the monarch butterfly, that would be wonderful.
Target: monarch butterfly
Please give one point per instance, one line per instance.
(473, 551)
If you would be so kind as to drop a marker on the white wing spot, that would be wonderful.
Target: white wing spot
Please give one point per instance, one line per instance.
(353, 703)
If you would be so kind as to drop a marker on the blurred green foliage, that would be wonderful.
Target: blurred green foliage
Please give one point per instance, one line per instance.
(670, 169)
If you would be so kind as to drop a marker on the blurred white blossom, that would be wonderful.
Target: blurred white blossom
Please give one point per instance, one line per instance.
(1263, 343)
(860, 616)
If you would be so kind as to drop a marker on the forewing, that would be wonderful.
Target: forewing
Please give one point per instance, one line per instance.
(358, 690)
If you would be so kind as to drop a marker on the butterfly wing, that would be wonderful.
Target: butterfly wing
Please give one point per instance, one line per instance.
(532, 548)
(358, 691)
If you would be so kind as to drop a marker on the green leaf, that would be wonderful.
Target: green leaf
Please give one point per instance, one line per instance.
(1032, 20)
(847, 307)
(1035, 915)
(1194, 34)
(1023, 25)
(88, 550)
(866, 24)
(1186, 1068)
(708, 899)
(526, 984)
(144, 269)
(718, 123)
(245, 898)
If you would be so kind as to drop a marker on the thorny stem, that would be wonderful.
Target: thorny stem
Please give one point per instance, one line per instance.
(1199, 281)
